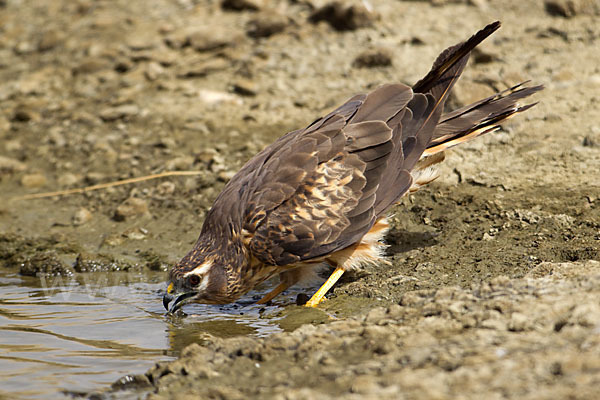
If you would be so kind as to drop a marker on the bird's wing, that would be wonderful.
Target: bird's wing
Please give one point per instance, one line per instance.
(236, 199)
(319, 190)
(316, 194)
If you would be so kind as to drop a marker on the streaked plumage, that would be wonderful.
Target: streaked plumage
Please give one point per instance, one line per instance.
(320, 194)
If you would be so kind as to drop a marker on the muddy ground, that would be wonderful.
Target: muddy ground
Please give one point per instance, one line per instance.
(494, 284)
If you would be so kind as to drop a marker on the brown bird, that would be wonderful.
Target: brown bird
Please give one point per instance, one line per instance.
(321, 194)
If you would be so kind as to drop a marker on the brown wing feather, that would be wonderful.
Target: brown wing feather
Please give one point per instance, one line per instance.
(383, 103)
(335, 198)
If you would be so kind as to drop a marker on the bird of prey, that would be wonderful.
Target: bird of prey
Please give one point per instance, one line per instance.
(320, 195)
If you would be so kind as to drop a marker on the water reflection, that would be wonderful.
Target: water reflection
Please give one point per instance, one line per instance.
(83, 333)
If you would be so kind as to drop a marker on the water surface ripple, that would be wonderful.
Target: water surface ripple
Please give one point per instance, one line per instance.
(82, 333)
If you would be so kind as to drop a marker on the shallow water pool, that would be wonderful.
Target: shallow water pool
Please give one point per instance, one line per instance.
(72, 334)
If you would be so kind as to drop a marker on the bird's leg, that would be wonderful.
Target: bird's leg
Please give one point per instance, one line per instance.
(318, 297)
(278, 289)
(286, 279)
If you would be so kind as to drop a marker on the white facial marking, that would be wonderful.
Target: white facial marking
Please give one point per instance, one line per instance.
(200, 270)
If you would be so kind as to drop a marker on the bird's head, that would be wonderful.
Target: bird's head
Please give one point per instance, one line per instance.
(198, 278)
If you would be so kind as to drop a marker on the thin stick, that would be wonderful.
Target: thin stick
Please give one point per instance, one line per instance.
(105, 185)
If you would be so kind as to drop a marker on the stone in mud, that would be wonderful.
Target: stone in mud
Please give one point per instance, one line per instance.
(571, 8)
(24, 113)
(43, 264)
(81, 216)
(178, 39)
(131, 382)
(201, 68)
(68, 179)
(123, 65)
(87, 262)
(266, 24)
(141, 41)
(49, 40)
(242, 5)
(132, 207)
(180, 163)
(153, 71)
(135, 233)
(373, 58)
(213, 97)
(589, 141)
(119, 112)
(5, 125)
(206, 40)
(344, 17)
(11, 165)
(439, 3)
(91, 65)
(166, 188)
(154, 261)
(31, 181)
(244, 87)
(201, 40)
(225, 176)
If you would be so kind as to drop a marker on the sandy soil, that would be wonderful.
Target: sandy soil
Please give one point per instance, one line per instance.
(493, 289)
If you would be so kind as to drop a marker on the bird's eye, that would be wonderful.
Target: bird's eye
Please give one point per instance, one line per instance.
(193, 280)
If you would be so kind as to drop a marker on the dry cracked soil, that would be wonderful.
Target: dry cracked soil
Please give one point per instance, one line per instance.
(494, 285)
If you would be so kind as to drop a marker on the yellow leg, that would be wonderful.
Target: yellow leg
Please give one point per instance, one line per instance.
(269, 296)
(318, 297)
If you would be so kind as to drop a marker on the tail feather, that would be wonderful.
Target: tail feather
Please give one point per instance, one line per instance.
(479, 118)
(414, 126)
(436, 86)
(449, 65)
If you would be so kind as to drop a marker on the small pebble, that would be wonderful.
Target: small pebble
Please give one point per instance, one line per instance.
(49, 41)
(242, 5)
(154, 71)
(67, 179)
(23, 113)
(114, 113)
(207, 41)
(215, 97)
(301, 299)
(11, 165)
(82, 216)
(33, 180)
(244, 87)
(266, 24)
(135, 234)
(343, 17)
(166, 188)
(131, 207)
(373, 58)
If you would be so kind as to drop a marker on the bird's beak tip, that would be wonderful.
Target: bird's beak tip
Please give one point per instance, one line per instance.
(173, 302)
(167, 298)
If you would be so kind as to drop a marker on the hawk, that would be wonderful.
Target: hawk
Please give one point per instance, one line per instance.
(321, 194)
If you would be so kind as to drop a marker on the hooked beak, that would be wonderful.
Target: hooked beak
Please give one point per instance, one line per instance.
(170, 295)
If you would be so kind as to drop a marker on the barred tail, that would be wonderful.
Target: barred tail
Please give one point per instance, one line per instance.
(476, 119)
(467, 123)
